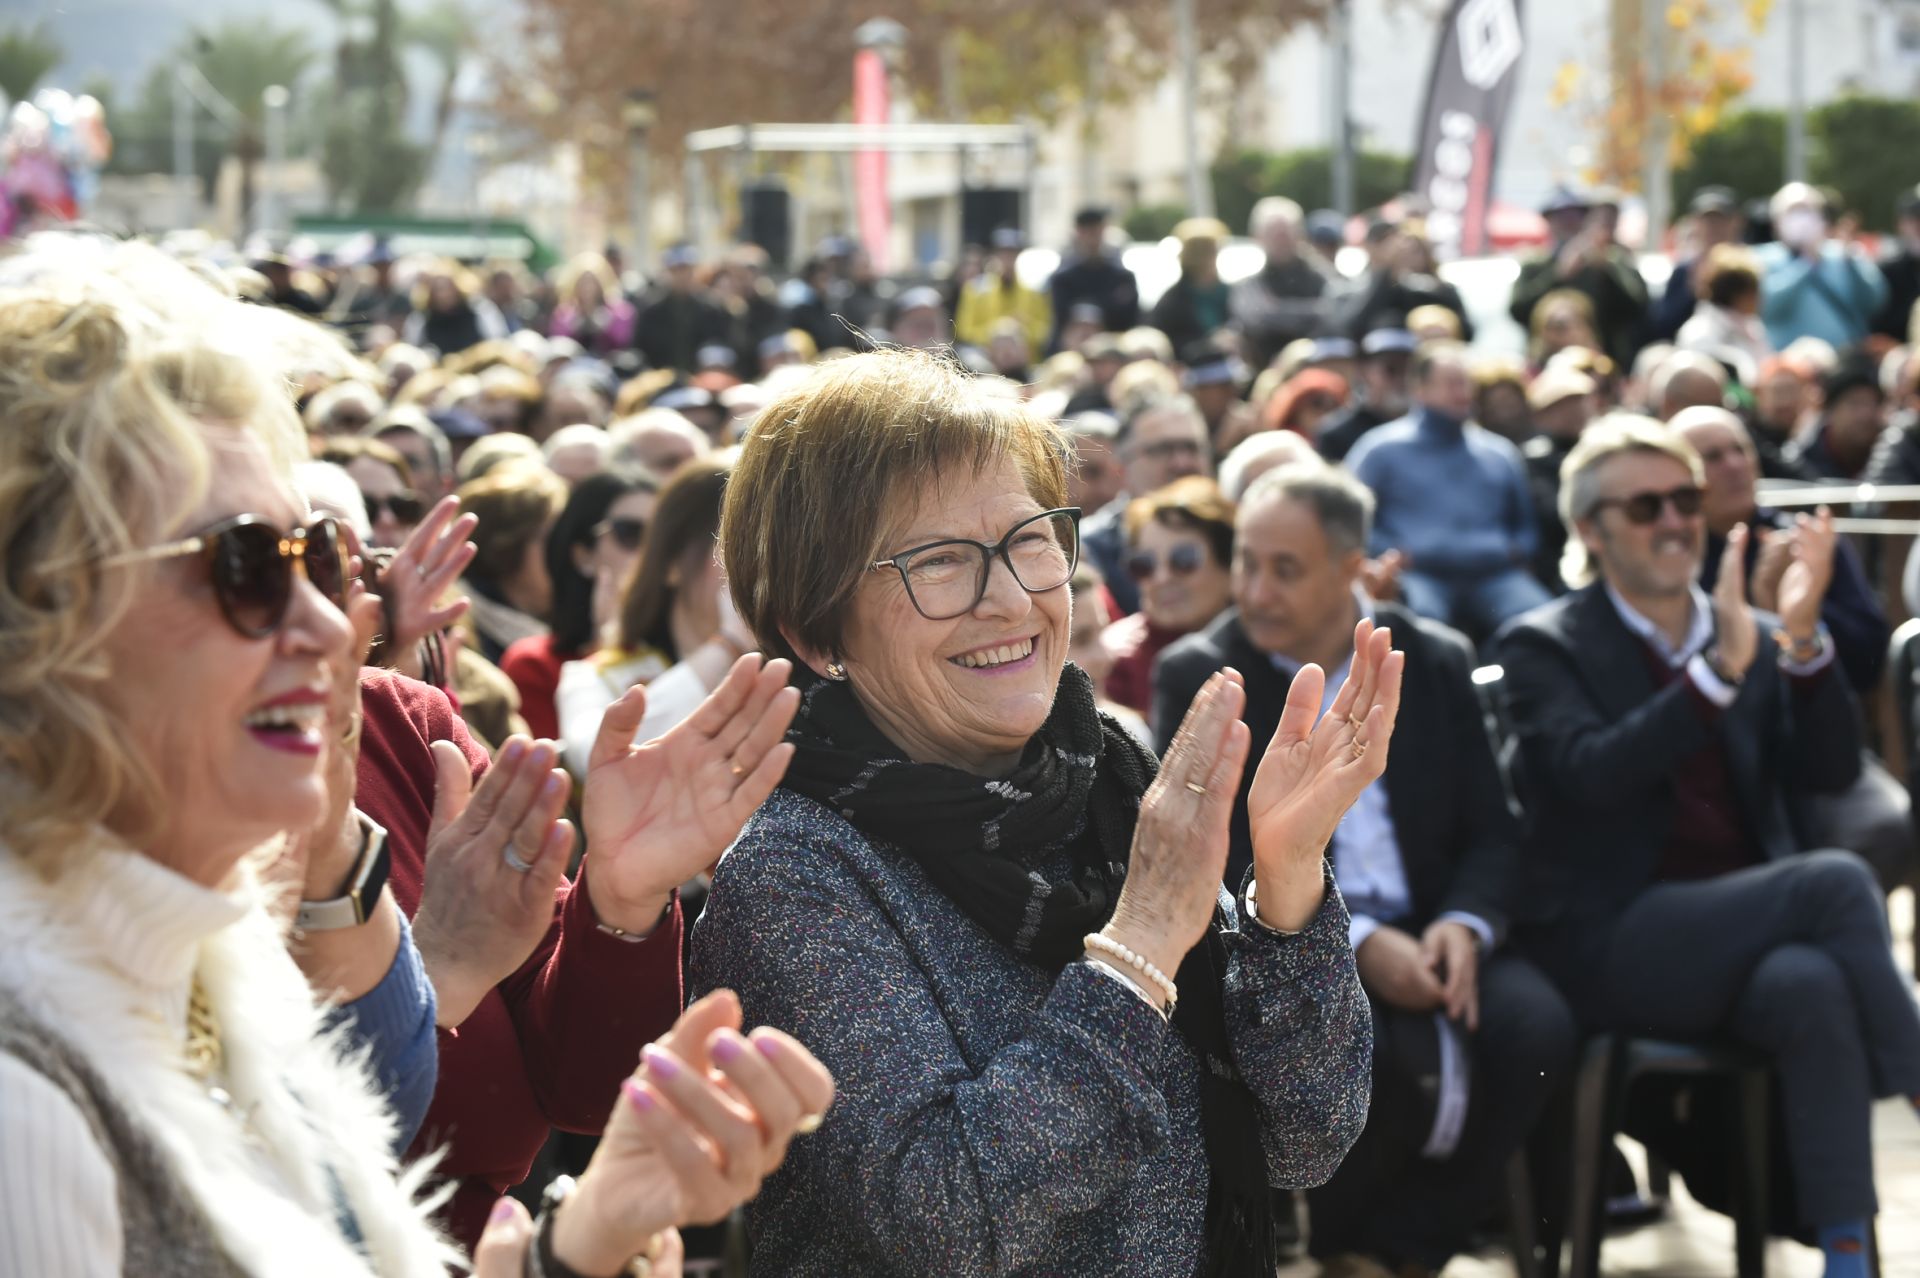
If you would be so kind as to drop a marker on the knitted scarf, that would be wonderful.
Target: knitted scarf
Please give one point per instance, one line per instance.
(984, 841)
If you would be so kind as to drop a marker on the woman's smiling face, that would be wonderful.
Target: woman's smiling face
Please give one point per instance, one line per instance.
(971, 690)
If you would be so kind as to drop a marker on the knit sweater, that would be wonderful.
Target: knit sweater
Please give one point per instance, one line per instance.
(1452, 496)
(994, 1117)
(289, 1173)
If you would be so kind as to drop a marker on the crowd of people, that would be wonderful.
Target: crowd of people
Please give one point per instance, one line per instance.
(416, 680)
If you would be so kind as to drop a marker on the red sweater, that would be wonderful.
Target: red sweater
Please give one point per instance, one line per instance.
(534, 665)
(1131, 682)
(1708, 837)
(549, 1046)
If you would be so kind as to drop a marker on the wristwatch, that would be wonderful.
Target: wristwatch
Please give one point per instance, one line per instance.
(1791, 651)
(364, 885)
(542, 1263)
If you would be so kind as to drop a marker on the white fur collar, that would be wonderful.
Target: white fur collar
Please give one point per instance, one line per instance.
(103, 958)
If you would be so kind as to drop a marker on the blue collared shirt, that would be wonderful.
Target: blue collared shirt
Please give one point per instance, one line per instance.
(1367, 864)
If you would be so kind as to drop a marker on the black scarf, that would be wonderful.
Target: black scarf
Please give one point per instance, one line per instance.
(981, 841)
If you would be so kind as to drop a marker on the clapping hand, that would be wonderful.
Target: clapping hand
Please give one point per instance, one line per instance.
(1735, 636)
(495, 857)
(418, 576)
(1803, 586)
(659, 813)
(1313, 771)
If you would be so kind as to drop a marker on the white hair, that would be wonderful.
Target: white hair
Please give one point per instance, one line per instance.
(1274, 208)
(1794, 193)
(580, 434)
(1257, 454)
(330, 490)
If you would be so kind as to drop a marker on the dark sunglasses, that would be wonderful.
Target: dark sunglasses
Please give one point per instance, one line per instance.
(408, 507)
(1181, 560)
(628, 532)
(1645, 508)
(252, 565)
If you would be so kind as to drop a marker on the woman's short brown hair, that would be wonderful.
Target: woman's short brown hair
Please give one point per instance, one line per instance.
(826, 468)
(1194, 503)
(1728, 273)
(514, 505)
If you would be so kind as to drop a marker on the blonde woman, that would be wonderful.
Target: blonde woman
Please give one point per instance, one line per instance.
(173, 627)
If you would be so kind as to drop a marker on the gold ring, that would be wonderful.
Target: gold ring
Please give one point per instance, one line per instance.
(1196, 787)
(1359, 748)
(809, 1124)
(1356, 723)
(737, 770)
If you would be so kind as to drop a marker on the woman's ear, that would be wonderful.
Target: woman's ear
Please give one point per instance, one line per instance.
(811, 657)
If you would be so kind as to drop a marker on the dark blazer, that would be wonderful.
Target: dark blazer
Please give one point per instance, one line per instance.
(1599, 743)
(1459, 840)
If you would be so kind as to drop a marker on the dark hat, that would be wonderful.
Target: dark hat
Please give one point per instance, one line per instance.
(1381, 228)
(381, 254)
(778, 344)
(1086, 313)
(1714, 199)
(714, 356)
(918, 299)
(1326, 348)
(835, 246)
(1851, 373)
(681, 254)
(1326, 224)
(1564, 199)
(458, 423)
(1389, 341)
(1092, 215)
(1008, 237)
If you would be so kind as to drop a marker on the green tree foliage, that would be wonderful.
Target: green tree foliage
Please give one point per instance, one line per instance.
(1148, 222)
(1746, 152)
(1244, 176)
(1862, 147)
(27, 53)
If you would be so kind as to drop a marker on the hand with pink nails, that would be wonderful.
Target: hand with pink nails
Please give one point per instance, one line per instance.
(708, 1115)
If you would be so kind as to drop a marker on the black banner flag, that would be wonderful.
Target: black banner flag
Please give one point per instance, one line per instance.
(1475, 70)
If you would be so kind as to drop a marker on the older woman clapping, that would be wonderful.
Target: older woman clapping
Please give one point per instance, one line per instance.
(1060, 1047)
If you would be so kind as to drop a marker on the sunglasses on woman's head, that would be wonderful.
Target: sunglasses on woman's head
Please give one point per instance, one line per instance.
(407, 507)
(1181, 560)
(628, 532)
(1644, 508)
(252, 564)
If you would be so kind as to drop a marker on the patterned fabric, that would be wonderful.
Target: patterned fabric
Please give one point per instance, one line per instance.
(997, 1116)
(982, 842)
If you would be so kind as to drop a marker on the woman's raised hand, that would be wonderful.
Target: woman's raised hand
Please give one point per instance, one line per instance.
(705, 1119)
(417, 578)
(1180, 845)
(1317, 764)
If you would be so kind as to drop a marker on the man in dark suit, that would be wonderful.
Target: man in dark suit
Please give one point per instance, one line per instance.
(1660, 731)
(1470, 1038)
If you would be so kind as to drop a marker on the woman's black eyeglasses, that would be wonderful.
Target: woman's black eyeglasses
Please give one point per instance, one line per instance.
(628, 532)
(1644, 508)
(252, 565)
(946, 579)
(1183, 559)
(408, 507)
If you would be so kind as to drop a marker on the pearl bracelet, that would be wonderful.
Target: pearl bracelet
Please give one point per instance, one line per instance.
(1101, 943)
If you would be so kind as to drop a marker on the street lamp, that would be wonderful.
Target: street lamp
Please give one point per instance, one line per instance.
(638, 114)
(275, 99)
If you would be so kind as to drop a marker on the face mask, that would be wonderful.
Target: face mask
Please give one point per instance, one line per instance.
(1802, 227)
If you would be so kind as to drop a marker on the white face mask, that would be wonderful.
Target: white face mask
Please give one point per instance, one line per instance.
(1802, 227)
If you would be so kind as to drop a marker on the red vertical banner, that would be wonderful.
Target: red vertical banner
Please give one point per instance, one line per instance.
(871, 204)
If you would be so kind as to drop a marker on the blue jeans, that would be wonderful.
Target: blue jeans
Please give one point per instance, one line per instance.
(1477, 605)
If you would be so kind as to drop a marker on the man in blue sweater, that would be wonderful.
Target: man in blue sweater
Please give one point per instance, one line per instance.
(1453, 498)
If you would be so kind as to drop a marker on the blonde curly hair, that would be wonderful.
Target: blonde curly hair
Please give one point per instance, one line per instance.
(112, 355)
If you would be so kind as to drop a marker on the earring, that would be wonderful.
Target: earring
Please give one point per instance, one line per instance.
(836, 672)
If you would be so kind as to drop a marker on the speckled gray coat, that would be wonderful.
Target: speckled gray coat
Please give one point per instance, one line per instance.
(993, 1118)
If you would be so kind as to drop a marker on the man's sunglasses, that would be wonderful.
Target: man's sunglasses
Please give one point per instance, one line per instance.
(408, 507)
(1183, 559)
(1645, 508)
(628, 532)
(252, 565)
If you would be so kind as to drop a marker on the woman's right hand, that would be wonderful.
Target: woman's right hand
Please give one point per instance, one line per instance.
(1180, 845)
(705, 1119)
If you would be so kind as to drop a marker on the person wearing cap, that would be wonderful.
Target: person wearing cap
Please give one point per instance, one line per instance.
(1453, 498)
(1560, 401)
(920, 319)
(1713, 219)
(1853, 415)
(1399, 280)
(1427, 859)
(1900, 265)
(1198, 304)
(1584, 257)
(1287, 298)
(998, 294)
(678, 317)
(1385, 367)
(1326, 231)
(701, 407)
(1813, 283)
(1092, 274)
(1500, 396)
(1213, 375)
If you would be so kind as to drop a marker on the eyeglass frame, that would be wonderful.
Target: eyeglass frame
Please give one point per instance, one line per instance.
(293, 548)
(999, 549)
(1670, 497)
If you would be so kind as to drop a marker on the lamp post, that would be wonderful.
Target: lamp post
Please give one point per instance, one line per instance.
(639, 114)
(183, 174)
(1796, 91)
(1199, 191)
(274, 99)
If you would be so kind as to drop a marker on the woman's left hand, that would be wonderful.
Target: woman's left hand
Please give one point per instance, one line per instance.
(657, 814)
(421, 572)
(1312, 772)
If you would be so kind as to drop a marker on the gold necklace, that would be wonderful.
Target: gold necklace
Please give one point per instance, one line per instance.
(205, 1057)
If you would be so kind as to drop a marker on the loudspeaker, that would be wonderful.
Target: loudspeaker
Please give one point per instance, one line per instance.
(986, 209)
(766, 219)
